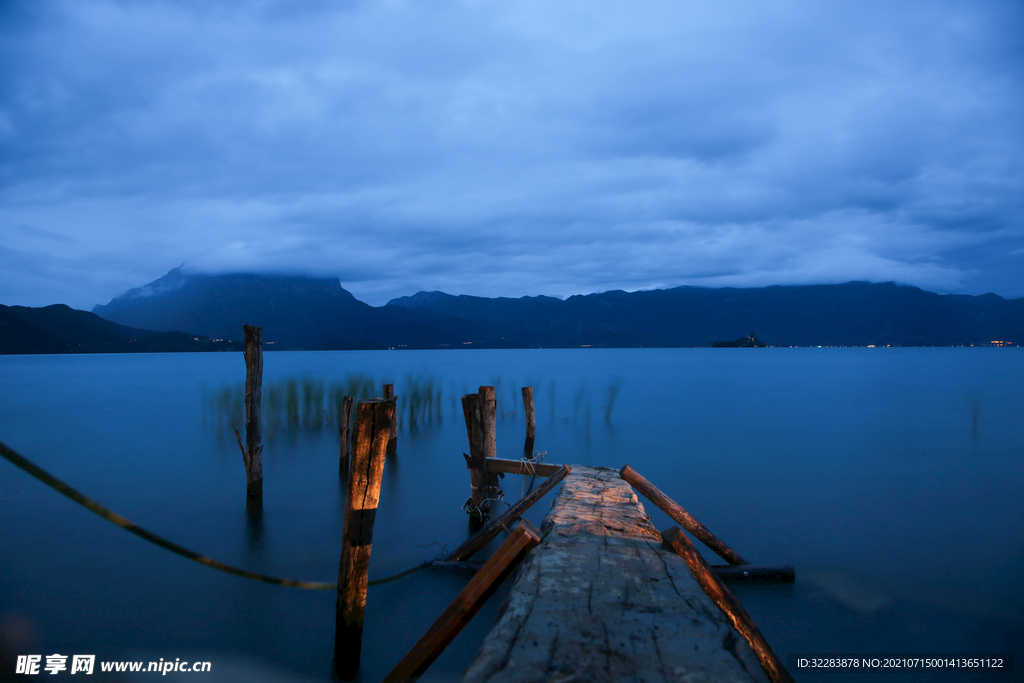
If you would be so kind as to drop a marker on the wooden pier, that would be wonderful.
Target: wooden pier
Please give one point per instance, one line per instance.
(600, 595)
(601, 599)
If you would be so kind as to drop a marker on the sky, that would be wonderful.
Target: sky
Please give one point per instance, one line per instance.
(511, 148)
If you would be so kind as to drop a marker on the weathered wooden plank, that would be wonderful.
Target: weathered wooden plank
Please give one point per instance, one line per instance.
(504, 521)
(540, 469)
(373, 429)
(601, 601)
(676, 540)
(680, 516)
(466, 604)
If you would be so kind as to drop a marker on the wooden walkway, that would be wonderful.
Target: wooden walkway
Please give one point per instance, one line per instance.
(600, 600)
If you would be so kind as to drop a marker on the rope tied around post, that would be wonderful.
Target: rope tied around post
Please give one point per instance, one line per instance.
(530, 466)
(476, 511)
(499, 496)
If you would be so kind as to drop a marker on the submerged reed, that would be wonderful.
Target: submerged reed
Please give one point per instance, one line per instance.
(307, 403)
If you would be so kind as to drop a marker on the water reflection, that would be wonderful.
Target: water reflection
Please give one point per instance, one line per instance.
(254, 530)
(975, 414)
(308, 404)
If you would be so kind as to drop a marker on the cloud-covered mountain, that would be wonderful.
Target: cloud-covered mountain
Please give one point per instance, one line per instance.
(294, 312)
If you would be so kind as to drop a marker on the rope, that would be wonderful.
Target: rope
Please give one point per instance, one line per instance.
(399, 575)
(499, 496)
(529, 464)
(57, 485)
(476, 511)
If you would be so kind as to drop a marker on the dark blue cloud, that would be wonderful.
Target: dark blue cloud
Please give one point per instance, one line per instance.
(508, 150)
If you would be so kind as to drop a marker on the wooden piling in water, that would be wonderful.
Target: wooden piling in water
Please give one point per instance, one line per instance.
(680, 516)
(253, 453)
(366, 468)
(344, 427)
(674, 539)
(475, 460)
(531, 421)
(489, 421)
(389, 393)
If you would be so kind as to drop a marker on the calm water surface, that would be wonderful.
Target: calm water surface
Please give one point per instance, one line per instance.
(892, 479)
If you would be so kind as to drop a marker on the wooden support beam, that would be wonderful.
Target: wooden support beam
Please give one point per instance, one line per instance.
(531, 420)
(674, 539)
(680, 516)
(749, 573)
(466, 604)
(540, 469)
(253, 453)
(475, 459)
(344, 427)
(484, 536)
(389, 393)
(373, 429)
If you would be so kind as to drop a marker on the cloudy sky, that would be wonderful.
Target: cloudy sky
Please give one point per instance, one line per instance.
(510, 148)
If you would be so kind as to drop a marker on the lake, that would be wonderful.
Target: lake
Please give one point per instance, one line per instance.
(891, 478)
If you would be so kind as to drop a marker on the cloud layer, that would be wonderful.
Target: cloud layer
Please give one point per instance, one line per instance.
(511, 148)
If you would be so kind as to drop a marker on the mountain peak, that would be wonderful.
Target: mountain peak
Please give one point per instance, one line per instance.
(421, 300)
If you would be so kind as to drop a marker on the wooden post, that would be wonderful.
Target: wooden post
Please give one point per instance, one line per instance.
(503, 521)
(531, 421)
(674, 539)
(389, 393)
(466, 604)
(489, 415)
(344, 426)
(373, 429)
(680, 516)
(253, 421)
(475, 459)
(489, 412)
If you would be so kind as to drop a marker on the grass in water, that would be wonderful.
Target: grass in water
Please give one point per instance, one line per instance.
(307, 403)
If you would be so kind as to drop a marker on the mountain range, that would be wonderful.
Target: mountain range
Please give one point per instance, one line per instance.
(189, 311)
(61, 329)
(850, 314)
